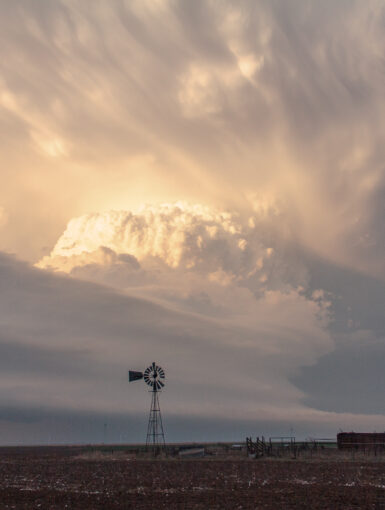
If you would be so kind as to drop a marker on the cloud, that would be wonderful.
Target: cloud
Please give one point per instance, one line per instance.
(67, 345)
(271, 115)
(3, 217)
(349, 379)
(191, 238)
(190, 257)
(199, 103)
(240, 271)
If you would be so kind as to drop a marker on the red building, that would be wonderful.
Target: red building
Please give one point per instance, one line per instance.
(360, 440)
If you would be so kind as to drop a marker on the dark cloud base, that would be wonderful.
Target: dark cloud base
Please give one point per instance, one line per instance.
(351, 378)
(42, 426)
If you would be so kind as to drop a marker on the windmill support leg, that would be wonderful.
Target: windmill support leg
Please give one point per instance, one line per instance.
(155, 441)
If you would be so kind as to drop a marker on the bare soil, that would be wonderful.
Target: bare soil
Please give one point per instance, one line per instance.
(57, 478)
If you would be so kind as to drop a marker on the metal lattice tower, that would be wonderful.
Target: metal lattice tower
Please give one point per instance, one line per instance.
(154, 377)
(155, 434)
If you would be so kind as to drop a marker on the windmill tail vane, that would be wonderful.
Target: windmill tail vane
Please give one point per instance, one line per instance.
(134, 376)
(154, 377)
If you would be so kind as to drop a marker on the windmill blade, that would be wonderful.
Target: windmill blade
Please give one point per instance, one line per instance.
(161, 384)
(134, 376)
(160, 371)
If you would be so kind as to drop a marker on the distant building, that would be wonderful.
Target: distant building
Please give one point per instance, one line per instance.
(361, 440)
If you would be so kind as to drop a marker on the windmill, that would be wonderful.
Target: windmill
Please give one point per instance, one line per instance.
(154, 377)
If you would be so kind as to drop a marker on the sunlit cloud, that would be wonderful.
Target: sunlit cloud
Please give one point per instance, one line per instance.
(252, 97)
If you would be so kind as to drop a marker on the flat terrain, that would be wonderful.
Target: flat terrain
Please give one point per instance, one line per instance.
(53, 478)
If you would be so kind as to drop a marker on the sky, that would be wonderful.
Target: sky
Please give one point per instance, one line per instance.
(199, 184)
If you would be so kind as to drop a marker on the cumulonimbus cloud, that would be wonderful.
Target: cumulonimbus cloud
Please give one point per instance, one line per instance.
(212, 264)
(263, 97)
(191, 238)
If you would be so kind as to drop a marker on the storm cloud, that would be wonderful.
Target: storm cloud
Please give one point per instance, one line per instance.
(277, 103)
(201, 183)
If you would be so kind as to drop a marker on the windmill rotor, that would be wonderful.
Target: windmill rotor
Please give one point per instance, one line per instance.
(153, 376)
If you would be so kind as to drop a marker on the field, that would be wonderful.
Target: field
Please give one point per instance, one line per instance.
(53, 478)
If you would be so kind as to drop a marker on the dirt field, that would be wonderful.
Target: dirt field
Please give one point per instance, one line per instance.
(49, 478)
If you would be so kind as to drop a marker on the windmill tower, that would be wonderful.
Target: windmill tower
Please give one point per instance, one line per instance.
(154, 377)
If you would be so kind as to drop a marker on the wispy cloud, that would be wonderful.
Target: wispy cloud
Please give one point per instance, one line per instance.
(259, 97)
